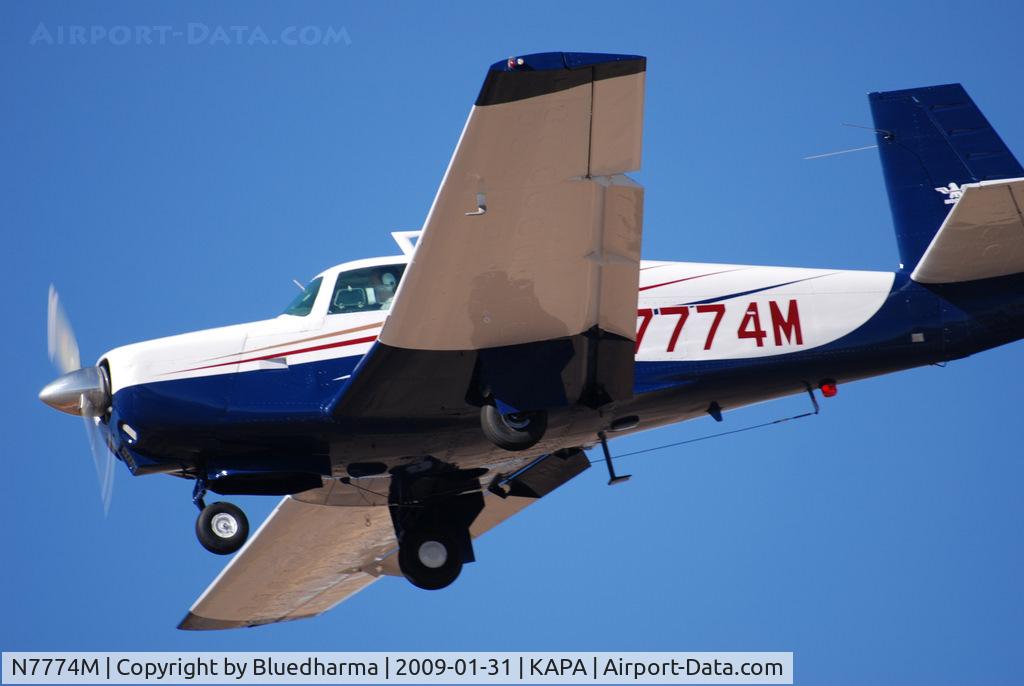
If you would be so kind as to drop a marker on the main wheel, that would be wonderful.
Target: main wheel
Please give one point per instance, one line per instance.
(222, 528)
(430, 558)
(518, 431)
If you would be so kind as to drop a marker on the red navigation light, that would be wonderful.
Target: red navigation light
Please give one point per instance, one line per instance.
(828, 388)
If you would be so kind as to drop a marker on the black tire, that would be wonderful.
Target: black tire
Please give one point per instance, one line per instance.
(519, 431)
(423, 562)
(222, 528)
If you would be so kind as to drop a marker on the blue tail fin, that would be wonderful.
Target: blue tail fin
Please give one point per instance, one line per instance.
(932, 141)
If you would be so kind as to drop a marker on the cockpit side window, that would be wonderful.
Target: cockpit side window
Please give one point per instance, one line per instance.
(365, 290)
(303, 303)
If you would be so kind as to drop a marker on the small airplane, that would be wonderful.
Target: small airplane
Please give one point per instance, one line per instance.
(405, 405)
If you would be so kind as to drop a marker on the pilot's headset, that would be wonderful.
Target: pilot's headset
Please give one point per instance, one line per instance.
(388, 280)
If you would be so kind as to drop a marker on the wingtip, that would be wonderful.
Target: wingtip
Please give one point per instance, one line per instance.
(527, 76)
(194, 622)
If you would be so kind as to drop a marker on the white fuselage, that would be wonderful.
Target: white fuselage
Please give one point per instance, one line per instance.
(686, 312)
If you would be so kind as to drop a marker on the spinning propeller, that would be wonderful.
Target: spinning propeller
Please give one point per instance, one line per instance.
(79, 390)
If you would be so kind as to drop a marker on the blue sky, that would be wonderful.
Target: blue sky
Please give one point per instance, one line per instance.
(167, 188)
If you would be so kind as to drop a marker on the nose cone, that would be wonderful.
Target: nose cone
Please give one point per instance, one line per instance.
(82, 392)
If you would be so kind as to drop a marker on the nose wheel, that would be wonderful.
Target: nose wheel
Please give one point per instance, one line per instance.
(222, 528)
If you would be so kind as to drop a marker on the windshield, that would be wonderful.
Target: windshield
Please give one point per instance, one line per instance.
(363, 290)
(303, 303)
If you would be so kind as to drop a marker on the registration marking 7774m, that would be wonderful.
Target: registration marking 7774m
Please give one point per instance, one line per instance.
(784, 318)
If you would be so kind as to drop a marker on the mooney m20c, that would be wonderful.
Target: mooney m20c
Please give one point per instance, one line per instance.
(405, 405)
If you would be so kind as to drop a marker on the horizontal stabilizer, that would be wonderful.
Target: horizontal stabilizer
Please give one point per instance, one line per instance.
(981, 238)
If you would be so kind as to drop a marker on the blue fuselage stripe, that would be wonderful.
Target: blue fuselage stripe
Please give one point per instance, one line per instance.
(720, 298)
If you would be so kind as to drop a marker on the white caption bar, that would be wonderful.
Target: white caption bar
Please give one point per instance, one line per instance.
(398, 668)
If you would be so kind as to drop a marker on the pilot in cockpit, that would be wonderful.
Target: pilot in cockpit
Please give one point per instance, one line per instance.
(386, 290)
(364, 290)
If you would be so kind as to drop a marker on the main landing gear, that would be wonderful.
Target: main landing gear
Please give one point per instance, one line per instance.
(432, 507)
(221, 528)
(515, 430)
(430, 559)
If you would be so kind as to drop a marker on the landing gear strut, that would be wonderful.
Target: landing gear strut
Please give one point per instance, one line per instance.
(221, 528)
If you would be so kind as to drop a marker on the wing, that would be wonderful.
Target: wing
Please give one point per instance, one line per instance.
(316, 548)
(524, 283)
(982, 236)
(530, 251)
(304, 560)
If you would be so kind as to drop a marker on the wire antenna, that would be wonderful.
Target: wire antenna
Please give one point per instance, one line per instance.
(810, 413)
(885, 133)
(882, 132)
(839, 152)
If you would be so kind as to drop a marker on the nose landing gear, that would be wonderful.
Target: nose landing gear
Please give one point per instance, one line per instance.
(222, 528)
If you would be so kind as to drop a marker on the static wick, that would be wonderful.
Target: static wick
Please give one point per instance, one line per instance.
(299, 284)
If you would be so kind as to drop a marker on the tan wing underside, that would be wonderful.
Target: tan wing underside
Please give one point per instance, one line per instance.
(557, 250)
(307, 558)
(304, 560)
